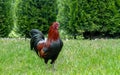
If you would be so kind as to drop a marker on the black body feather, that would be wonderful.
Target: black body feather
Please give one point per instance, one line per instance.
(53, 50)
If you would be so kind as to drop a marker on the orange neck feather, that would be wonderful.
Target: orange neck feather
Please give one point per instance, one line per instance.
(53, 35)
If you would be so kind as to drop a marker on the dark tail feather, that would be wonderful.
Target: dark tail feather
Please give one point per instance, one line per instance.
(36, 36)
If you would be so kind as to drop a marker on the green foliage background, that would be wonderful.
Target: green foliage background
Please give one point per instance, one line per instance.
(36, 14)
(5, 18)
(88, 18)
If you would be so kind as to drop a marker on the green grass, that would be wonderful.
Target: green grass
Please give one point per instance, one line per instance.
(78, 57)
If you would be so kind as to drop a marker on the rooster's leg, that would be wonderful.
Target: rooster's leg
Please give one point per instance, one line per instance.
(53, 66)
(47, 67)
(46, 61)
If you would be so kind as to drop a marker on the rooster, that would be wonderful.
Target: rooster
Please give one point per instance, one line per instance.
(47, 49)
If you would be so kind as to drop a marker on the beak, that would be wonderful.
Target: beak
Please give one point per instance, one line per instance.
(58, 25)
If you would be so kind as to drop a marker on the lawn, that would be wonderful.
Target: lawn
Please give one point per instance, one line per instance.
(78, 57)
